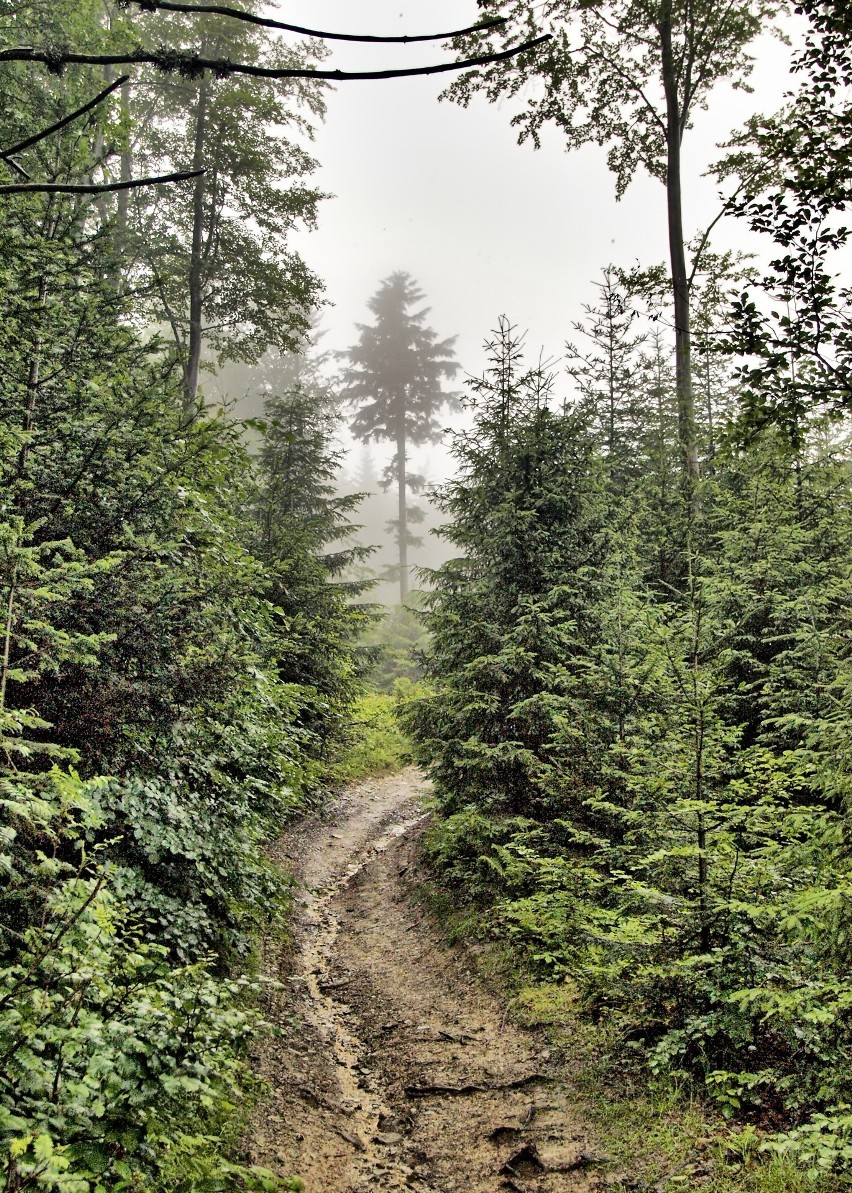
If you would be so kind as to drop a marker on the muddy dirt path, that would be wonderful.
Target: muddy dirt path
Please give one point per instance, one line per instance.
(397, 1070)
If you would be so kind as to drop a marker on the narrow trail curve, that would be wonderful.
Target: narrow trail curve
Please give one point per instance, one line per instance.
(396, 1069)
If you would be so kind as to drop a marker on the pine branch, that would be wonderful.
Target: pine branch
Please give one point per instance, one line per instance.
(268, 23)
(5, 154)
(193, 65)
(93, 188)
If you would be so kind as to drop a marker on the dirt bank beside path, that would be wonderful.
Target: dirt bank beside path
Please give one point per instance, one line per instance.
(398, 1071)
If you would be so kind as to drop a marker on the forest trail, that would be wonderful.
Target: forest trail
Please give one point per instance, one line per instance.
(398, 1070)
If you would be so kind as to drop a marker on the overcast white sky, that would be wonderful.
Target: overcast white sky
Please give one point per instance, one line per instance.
(486, 226)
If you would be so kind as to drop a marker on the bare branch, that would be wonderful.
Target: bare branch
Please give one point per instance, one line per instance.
(5, 154)
(727, 206)
(93, 188)
(19, 169)
(193, 65)
(268, 23)
(705, 236)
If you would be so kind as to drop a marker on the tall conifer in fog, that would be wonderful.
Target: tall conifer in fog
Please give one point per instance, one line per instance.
(395, 378)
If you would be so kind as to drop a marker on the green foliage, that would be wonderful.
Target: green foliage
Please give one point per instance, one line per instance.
(636, 711)
(642, 784)
(303, 528)
(145, 643)
(377, 744)
(657, 1132)
(214, 257)
(467, 845)
(602, 76)
(105, 1042)
(790, 334)
(511, 621)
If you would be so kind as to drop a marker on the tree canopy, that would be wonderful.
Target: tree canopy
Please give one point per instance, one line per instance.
(638, 660)
(629, 75)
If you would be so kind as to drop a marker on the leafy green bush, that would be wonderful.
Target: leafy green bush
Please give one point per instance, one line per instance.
(378, 744)
(139, 641)
(106, 1044)
(822, 1144)
(171, 628)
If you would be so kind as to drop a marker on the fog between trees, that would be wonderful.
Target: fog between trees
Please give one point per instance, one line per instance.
(636, 659)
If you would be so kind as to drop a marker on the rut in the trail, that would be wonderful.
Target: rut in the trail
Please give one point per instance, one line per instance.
(398, 1070)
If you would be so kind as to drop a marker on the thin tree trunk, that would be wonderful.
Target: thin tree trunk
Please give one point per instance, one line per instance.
(703, 875)
(195, 280)
(403, 511)
(102, 203)
(711, 433)
(7, 636)
(33, 382)
(33, 379)
(679, 275)
(699, 745)
(612, 386)
(663, 568)
(796, 432)
(126, 166)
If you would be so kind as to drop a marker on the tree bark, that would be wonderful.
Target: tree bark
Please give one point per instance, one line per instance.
(33, 381)
(125, 175)
(5, 662)
(679, 275)
(195, 279)
(403, 510)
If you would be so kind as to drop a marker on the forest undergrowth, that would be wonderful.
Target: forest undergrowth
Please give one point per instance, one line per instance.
(664, 1133)
(177, 656)
(637, 737)
(638, 675)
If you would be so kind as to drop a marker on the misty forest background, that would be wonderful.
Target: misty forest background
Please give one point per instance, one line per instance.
(627, 670)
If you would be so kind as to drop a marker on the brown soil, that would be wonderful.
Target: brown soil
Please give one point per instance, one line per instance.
(397, 1070)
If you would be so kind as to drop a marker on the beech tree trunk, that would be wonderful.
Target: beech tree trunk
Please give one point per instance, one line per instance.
(677, 257)
(126, 174)
(195, 279)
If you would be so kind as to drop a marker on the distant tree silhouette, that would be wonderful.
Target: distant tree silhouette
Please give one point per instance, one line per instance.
(395, 377)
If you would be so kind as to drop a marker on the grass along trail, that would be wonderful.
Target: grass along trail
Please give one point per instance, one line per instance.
(397, 1069)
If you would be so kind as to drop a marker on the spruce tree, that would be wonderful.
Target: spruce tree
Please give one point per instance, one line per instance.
(603, 367)
(395, 377)
(513, 616)
(302, 528)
